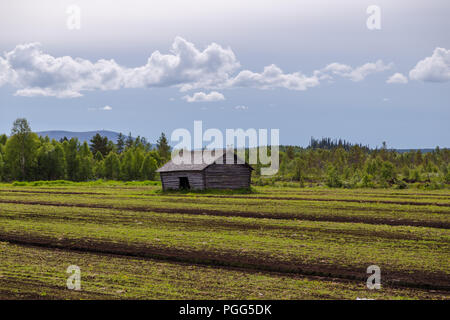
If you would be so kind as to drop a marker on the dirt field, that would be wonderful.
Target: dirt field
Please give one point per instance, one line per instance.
(134, 242)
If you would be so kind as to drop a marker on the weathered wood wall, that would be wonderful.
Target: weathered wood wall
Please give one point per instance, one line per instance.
(227, 176)
(171, 180)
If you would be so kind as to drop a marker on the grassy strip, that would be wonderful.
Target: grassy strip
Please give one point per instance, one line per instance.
(324, 249)
(256, 192)
(285, 227)
(37, 273)
(231, 229)
(368, 213)
(412, 199)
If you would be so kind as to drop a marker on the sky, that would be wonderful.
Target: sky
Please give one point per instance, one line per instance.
(339, 69)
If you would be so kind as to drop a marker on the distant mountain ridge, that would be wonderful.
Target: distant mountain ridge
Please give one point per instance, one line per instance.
(82, 136)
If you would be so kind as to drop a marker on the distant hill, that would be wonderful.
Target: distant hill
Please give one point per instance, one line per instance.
(82, 136)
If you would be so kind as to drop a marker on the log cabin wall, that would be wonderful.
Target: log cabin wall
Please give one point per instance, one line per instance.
(227, 176)
(171, 180)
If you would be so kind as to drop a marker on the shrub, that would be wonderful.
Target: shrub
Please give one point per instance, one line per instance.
(333, 178)
(367, 181)
(401, 184)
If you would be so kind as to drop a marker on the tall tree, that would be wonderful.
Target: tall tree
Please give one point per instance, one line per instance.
(129, 142)
(112, 166)
(148, 168)
(44, 162)
(98, 156)
(3, 139)
(2, 165)
(72, 161)
(50, 162)
(100, 144)
(59, 162)
(147, 145)
(21, 150)
(120, 143)
(162, 145)
(126, 165)
(138, 158)
(86, 161)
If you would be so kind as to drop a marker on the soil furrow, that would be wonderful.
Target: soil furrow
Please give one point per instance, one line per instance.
(394, 278)
(418, 203)
(285, 216)
(411, 203)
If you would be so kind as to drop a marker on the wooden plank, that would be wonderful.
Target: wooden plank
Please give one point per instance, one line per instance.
(227, 176)
(171, 180)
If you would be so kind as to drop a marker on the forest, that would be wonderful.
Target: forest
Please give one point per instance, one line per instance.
(24, 156)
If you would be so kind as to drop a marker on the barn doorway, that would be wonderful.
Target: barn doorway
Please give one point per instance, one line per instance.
(184, 183)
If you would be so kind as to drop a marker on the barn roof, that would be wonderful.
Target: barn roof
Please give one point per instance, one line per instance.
(171, 166)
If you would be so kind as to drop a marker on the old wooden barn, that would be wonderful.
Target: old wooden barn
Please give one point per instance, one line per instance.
(224, 171)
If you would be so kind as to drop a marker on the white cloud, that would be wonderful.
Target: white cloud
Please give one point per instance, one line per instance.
(6, 74)
(273, 77)
(187, 67)
(433, 69)
(354, 74)
(36, 73)
(105, 108)
(204, 97)
(241, 107)
(397, 78)
(47, 92)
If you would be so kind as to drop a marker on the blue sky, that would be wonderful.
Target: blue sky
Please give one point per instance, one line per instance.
(308, 68)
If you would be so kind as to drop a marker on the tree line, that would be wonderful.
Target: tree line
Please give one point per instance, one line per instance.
(341, 164)
(336, 163)
(26, 157)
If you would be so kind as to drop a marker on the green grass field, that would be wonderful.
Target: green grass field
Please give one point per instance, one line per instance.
(133, 241)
